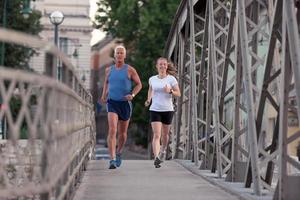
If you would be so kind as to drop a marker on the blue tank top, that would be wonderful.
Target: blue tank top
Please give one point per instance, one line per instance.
(119, 85)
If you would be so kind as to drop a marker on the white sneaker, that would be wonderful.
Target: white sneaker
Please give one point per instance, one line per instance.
(162, 155)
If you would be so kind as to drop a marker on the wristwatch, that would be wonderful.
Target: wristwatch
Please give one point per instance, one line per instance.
(133, 95)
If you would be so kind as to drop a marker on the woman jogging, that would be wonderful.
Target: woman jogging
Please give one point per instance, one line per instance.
(162, 88)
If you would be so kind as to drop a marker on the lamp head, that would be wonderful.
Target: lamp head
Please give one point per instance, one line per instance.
(26, 11)
(56, 17)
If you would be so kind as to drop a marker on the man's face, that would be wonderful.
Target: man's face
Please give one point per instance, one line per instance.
(120, 55)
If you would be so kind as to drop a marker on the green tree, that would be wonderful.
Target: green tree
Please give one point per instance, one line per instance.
(144, 26)
(17, 56)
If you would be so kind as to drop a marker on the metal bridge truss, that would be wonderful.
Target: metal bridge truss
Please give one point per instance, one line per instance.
(238, 64)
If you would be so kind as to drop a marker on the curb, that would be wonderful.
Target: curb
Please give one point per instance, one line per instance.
(241, 193)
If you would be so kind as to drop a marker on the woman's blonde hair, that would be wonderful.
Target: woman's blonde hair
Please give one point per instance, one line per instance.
(171, 68)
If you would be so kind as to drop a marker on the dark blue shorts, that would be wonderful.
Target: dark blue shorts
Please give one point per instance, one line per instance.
(122, 108)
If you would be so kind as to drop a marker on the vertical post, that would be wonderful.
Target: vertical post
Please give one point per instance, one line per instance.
(193, 86)
(179, 123)
(58, 71)
(56, 35)
(237, 99)
(203, 91)
(249, 96)
(213, 68)
(284, 92)
(294, 43)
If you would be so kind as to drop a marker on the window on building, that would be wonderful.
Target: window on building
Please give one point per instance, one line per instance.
(64, 45)
(293, 102)
(293, 120)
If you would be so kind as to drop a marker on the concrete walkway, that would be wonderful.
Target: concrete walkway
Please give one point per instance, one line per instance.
(138, 179)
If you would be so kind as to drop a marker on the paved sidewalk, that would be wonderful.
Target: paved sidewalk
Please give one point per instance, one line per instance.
(236, 188)
(138, 179)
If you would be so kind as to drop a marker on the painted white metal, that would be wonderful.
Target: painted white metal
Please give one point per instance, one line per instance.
(59, 122)
(212, 67)
(252, 135)
(250, 43)
(193, 119)
(294, 43)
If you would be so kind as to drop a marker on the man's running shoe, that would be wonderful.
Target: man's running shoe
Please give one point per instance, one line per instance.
(112, 164)
(118, 159)
(157, 162)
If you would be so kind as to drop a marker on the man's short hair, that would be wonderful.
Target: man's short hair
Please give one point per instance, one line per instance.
(119, 47)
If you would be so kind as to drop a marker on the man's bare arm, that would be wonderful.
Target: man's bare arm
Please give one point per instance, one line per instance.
(105, 86)
(136, 79)
(133, 75)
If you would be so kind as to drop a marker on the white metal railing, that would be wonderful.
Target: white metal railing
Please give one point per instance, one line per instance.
(48, 126)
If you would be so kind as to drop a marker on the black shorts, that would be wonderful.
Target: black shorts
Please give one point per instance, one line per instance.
(163, 117)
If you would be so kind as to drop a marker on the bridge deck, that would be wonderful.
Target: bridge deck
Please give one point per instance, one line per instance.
(138, 179)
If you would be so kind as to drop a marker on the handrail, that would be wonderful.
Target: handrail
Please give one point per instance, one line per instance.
(49, 125)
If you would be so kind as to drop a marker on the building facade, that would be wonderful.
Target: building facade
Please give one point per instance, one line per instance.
(74, 34)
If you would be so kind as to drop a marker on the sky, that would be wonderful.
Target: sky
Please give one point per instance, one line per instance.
(96, 34)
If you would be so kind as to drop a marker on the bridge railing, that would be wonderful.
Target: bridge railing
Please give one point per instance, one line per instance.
(48, 127)
(238, 63)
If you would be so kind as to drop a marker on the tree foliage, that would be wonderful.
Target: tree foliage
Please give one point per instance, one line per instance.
(143, 26)
(18, 56)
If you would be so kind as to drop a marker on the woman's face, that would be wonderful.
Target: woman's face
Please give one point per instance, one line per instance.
(162, 65)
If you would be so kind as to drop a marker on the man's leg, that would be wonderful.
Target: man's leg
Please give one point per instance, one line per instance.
(122, 134)
(122, 137)
(112, 131)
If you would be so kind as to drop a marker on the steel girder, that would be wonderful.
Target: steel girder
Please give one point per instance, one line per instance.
(289, 181)
(234, 70)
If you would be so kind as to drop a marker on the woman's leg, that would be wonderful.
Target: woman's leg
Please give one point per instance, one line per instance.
(165, 139)
(156, 128)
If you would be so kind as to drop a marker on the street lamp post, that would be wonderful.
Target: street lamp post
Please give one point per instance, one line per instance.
(56, 18)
